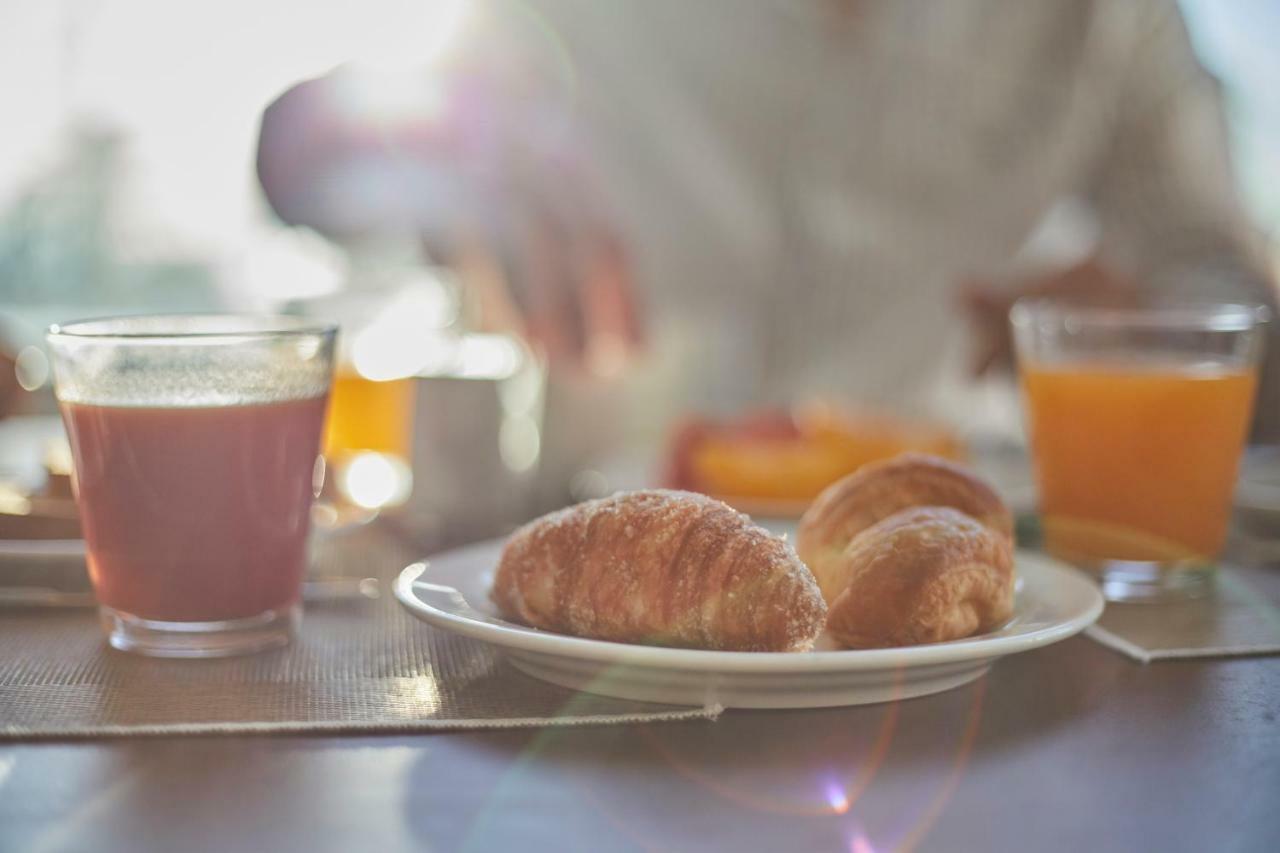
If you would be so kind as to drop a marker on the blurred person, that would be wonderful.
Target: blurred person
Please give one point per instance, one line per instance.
(786, 198)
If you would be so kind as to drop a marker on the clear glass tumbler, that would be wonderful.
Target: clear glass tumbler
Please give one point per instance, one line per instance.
(1137, 420)
(195, 441)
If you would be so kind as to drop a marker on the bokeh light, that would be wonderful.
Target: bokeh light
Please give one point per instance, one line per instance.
(374, 480)
(31, 368)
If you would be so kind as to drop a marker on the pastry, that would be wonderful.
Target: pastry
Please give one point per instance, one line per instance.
(784, 458)
(659, 567)
(922, 575)
(879, 490)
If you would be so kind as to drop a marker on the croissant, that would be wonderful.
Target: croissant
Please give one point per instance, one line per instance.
(879, 490)
(923, 575)
(659, 567)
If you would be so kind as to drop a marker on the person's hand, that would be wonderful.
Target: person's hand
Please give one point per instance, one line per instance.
(987, 305)
(559, 274)
(564, 286)
(491, 192)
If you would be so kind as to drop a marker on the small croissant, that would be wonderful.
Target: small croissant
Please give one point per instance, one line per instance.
(660, 567)
(912, 550)
(875, 492)
(923, 575)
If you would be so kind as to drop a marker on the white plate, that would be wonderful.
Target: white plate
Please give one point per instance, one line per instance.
(451, 592)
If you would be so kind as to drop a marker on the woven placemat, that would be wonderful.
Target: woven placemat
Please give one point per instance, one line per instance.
(356, 666)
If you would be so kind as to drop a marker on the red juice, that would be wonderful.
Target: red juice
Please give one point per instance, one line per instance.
(196, 514)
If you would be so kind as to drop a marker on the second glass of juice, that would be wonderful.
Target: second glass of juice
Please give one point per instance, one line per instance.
(1137, 420)
(195, 441)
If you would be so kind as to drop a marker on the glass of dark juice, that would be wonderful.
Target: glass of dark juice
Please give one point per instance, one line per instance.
(195, 440)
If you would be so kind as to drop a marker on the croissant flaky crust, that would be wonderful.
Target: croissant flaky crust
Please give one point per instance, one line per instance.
(923, 575)
(660, 567)
(879, 490)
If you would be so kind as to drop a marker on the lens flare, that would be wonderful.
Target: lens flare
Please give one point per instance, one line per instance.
(861, 844)
(374, 480)
(836, 797)
(939, 803)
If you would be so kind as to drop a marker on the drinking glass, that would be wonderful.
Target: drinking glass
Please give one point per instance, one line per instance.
(1137, 420)
(391, 314)
(195, 442)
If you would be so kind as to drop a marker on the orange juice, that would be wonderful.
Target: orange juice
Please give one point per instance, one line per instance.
(367, 415)
(1137, 461)
(369, 439)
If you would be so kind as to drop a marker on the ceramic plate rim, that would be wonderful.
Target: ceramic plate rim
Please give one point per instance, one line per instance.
(521, 638)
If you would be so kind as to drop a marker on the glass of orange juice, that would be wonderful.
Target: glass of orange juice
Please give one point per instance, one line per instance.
(392, 314)
(1137, 420)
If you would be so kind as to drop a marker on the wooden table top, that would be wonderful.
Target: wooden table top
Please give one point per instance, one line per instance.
(1067, 748)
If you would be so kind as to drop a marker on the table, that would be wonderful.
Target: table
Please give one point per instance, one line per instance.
(1072, 747)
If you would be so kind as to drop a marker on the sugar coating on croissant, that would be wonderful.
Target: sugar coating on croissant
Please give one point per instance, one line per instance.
(923, 575)
(879, 490)
(660, 567)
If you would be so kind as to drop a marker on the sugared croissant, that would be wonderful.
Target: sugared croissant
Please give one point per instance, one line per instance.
(879, 490)
(659, 567)
(922, 575)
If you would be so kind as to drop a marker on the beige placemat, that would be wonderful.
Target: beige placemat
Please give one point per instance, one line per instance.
(1236, 620)
(357, 666)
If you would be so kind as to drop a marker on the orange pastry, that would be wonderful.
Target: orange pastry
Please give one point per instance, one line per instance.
(660, 567)
(879, 490)
(922, 575)
(780, 457)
